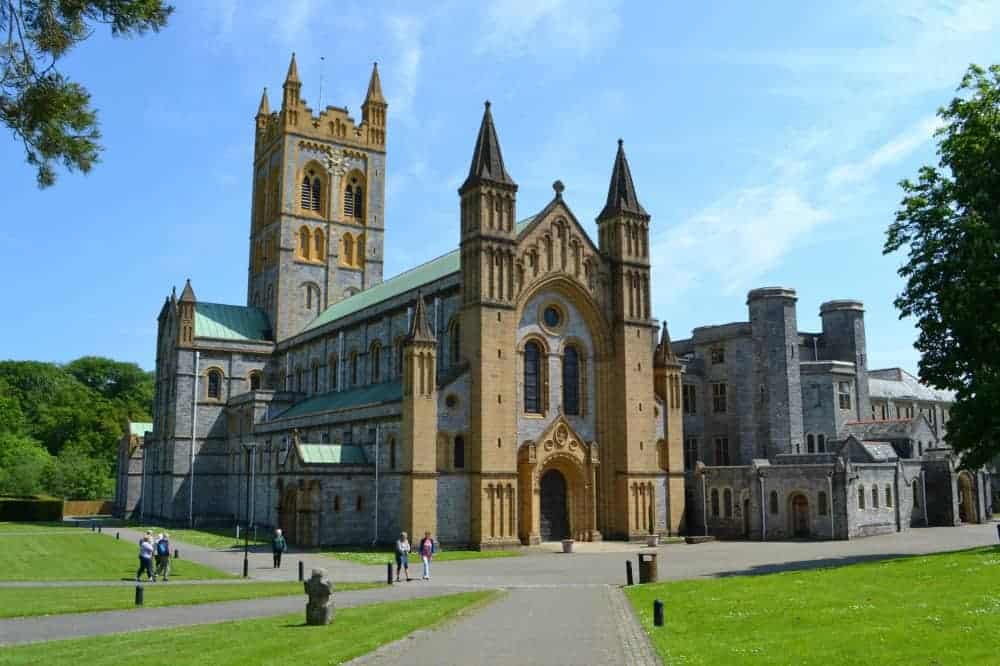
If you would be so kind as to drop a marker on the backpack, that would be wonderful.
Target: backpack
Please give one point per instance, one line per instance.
(162, 548)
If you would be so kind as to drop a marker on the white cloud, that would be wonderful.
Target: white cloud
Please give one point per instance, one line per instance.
(406, 33)
(735, 241)
(518, 27)
(889, 153)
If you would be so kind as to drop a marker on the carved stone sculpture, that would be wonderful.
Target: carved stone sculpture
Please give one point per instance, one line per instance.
(319, 610)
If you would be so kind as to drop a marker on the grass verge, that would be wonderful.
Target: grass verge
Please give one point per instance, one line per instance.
(274, 640)
(81, 555)
(218, 539)
(364, 555)
(937, 609)
(21, 602)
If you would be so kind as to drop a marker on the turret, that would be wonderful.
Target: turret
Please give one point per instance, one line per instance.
(291, 97)
(186, 306)
(373, 111)
(844, 340)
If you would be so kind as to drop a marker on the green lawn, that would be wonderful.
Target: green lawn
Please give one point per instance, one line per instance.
(365, 555)
(209, 538)
(81, 555)
(935, 609)
(22, 602)
(39, 527)
(273, 640)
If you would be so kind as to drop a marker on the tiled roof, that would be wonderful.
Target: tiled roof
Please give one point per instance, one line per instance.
(909, 387)
(336, 400)
(331, 454)
(230, 322)
(424, 274)
(139, 429)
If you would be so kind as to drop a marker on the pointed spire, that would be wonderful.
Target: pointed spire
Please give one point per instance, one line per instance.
(374, 88)
(621, 191)
(293, 72)
(188, 294)
(420, 327)
(487, 160)
(264, 108)
(664, 351)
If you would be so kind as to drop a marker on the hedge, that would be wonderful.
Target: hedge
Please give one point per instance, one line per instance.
(31, 509)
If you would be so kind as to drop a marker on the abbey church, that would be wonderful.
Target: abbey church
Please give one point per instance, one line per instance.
(514, 390)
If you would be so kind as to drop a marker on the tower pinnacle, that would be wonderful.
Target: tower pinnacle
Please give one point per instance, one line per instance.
(293, 72)
(264, 107)
(420, 327)
(487, 160)
(621, 190)
(374, 87)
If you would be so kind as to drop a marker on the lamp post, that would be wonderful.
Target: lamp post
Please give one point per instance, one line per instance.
(249, 448)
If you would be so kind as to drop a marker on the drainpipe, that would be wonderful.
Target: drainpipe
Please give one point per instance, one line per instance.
(194, 424)
(377, 429)
(763, 510)
(923, 493)
(142, 491)
(829, 490)
(704, 499)
(899, 520)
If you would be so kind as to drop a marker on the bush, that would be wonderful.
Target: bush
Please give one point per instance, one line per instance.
(31, 509)
(74, 475)
(23, 463)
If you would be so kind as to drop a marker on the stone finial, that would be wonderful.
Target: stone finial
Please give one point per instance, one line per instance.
(319, 609)
(558, 187)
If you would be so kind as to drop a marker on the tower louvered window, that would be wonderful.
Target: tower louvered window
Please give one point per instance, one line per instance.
(349, 201)
(316, 194)
(306, 194)
(359, 203)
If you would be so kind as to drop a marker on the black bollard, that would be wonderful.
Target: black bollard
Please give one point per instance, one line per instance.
(177, 554)
(100, 529)
(658, 613)
(388, 573)
(301, 571)
(998, 532)
(118, 536)
(628, 572)
(246, 568)
(138, 595)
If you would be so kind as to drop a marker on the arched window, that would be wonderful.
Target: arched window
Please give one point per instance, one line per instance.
(715, 503)
(874, 497)
(774, 502)
(214, 388)
(334, 373)
(359, 251)
(303, 249)
(916, 495)
(727, 502)
(305, 196)
(254, 381)
(347, 255)
(888, 496)
(571, 381)
(398, 356)
(319, 245)
(532, 378)
(349, 201)
(458, 459)
(354, 368)
(455, 340)
(821, 443)
(359, 203)
(316, 193)
(375, 362)
(822, 503)
(810, 443)
(392, 453)
(861, 498)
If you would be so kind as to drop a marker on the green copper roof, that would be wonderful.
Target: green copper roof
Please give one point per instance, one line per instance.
(335, 400)
(139, 429)
(331, 454)
(230, 322)
(433, 270)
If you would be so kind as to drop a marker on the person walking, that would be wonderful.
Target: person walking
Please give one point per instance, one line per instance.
(146, 558)
(163, 556)
(403, 556)
(278, 546)
(427, 549)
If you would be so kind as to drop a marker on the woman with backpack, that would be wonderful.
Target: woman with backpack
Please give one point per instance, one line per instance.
(163, 557)
(146, 558)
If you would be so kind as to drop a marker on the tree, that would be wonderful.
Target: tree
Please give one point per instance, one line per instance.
(50, 114)
(124, 383)
(949, 221)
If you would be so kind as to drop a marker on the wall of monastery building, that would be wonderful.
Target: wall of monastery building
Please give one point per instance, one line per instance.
(873, 500)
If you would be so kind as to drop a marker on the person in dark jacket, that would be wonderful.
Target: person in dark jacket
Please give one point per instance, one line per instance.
(278, 546)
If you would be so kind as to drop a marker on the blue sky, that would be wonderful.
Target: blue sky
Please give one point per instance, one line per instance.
(766, 140)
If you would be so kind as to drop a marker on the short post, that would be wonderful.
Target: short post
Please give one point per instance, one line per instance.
(100, 529)
(628, 572)
(118, 536)
(138, 595)
(177, 554)
(301, 572)
(388, 573)
(237, 532)
(658, 613)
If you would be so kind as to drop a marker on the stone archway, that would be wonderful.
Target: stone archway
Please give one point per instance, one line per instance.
(288, 514)
(798, 515)
(967, 498)
(557, 478)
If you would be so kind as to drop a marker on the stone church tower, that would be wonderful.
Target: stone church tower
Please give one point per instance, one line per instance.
(317, 219)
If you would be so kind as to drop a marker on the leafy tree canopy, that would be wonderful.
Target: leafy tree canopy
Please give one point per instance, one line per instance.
(949, 224)
(47, 112)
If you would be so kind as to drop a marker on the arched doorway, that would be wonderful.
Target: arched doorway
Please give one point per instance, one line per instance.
(288, 514)
(966, 499)
(799, 515)
(554, 518)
